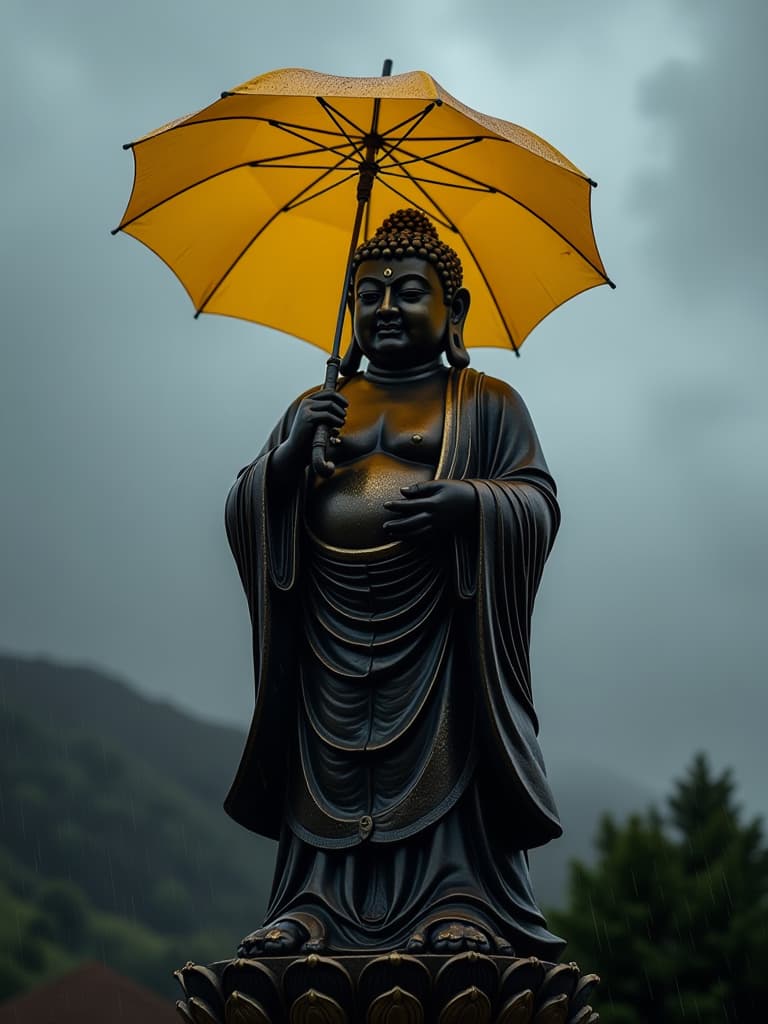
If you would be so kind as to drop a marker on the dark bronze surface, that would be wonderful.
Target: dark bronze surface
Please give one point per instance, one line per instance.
(393, 747)
(469, 988)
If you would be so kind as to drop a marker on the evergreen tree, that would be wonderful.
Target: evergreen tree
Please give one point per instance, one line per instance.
(674, 914)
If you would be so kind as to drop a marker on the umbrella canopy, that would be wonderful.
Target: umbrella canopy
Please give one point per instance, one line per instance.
(251, 201)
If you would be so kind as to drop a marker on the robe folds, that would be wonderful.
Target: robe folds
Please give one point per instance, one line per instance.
(393, 749)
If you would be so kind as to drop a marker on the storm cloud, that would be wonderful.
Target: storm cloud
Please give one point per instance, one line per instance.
(122, 421)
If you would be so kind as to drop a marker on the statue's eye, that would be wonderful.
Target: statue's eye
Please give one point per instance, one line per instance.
(412, 294)
(369, 297)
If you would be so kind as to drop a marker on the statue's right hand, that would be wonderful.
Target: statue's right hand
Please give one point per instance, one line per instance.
(322, 408)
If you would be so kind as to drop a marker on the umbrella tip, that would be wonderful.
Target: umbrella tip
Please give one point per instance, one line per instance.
(225, 94)
(592, 183)
(386, 71)
(610, 283)
(127, 145)
(114, 231)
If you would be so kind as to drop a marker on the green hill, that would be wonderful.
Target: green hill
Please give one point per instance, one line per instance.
(111, 817)
(200, 756)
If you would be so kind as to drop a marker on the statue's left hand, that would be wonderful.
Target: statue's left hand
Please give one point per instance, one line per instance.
(436, 506)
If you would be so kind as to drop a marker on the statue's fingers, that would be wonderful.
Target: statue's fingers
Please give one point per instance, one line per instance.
(339, 410)
(410, 525)
(425, 490)
(330, 395)
(330, 417)
(328, 407)
(400, 506)
(411, 506)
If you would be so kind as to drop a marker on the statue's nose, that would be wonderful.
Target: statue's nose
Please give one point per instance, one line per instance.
(386, 301)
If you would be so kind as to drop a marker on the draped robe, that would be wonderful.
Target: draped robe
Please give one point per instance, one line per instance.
(393, 749)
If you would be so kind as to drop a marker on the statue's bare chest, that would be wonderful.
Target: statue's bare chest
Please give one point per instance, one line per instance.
(391, 439)
(405, 422)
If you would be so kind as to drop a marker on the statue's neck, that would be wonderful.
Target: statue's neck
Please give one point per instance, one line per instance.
(403, 374)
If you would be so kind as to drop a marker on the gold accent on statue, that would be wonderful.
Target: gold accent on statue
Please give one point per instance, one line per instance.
(468, 1007)
(517, 1010)
(241, 1009)
(315, 1007)
(397, 1006)
(393, 988)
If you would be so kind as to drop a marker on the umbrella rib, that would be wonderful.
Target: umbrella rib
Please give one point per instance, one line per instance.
(331, 112)
(491, 292)
(296, 167)
(319, 148)
(443, 184)
(487, 283)
(491, 136)
(411, 202)
(440, 152)
(230, 117)
(415, 158)
(316, 195)
(418, 116)
(258, 234)
(180, 192)
(477, 137)
(269, 160)
(498, 191)
(329, 108)
(292, 124)
(418, 183)
(397, 142)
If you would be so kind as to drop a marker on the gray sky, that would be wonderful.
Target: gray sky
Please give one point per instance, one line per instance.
(122, 420)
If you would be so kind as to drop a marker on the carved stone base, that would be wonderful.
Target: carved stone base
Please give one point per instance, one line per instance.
(394, 988)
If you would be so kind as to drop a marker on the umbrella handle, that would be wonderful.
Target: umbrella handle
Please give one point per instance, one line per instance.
(320, 463)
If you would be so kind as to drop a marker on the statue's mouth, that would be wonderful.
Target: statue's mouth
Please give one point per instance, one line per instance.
(389, 330)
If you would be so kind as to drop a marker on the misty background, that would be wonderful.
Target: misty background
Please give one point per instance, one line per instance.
(123, 420)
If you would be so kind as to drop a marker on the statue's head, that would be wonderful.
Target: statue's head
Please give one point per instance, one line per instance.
(407, 300)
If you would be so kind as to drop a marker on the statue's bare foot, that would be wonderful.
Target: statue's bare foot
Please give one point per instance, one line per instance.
(457, 937)
(417, 942)
(281, 938)
(503, 947)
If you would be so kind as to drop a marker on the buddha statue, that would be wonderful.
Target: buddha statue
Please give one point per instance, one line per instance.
(393, 751)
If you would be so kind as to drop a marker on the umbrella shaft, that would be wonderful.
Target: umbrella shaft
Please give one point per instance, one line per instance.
(368, 171)
(361, 204)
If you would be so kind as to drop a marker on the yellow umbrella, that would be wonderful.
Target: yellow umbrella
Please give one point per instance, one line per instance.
(251, 201)
(257, 201)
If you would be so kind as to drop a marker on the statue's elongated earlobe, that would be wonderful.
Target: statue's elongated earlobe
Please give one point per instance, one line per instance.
(350, 361)
(455, 352)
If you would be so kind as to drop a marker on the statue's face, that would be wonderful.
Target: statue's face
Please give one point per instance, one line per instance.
(400, 312)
